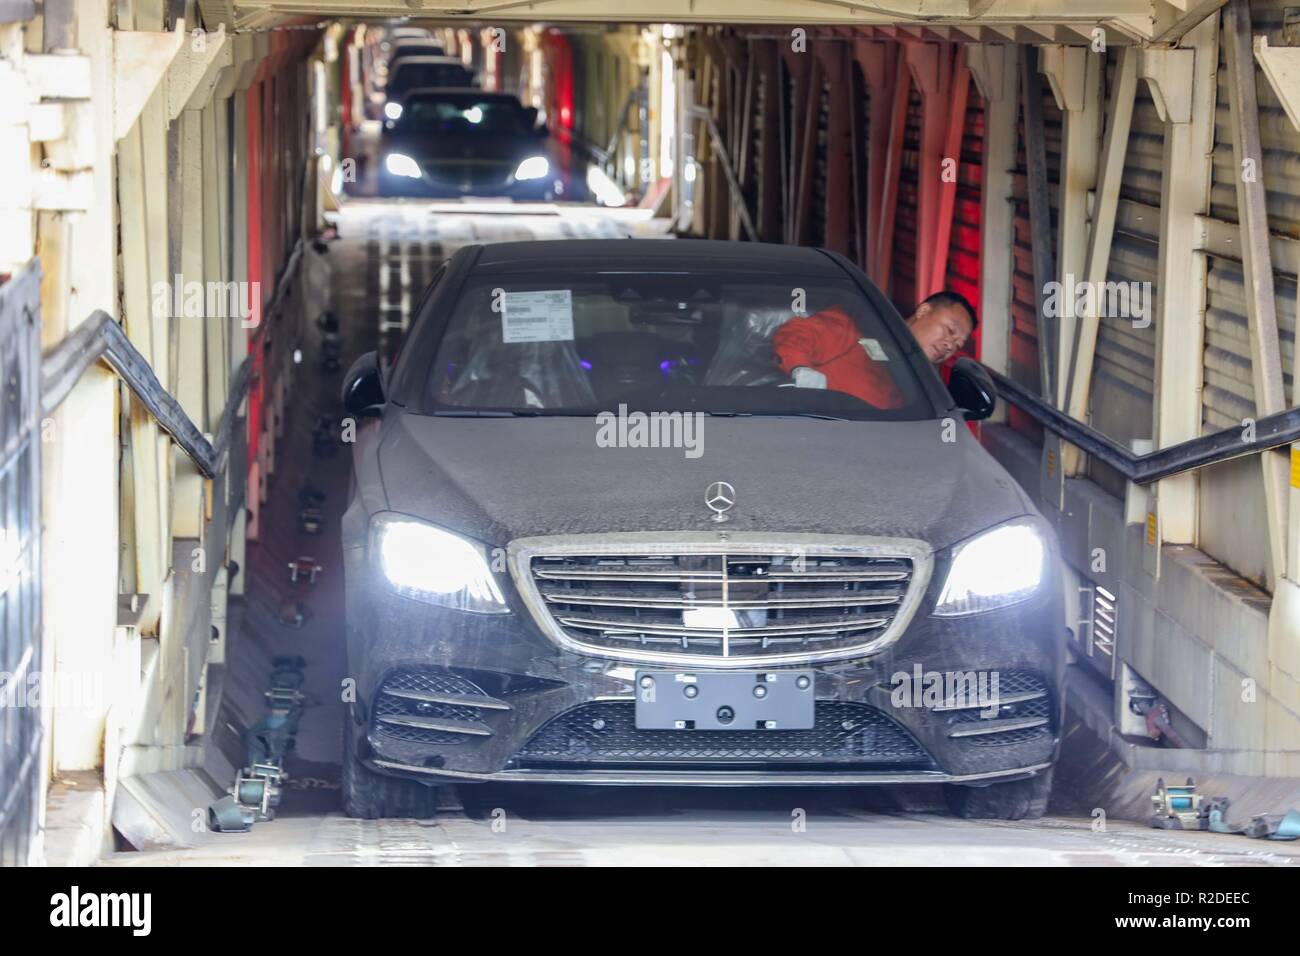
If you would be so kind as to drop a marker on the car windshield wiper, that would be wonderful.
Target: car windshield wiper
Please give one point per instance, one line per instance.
(483, 413)
(820, 415)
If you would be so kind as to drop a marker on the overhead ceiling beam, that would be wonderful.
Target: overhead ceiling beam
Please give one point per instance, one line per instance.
(1037, 20)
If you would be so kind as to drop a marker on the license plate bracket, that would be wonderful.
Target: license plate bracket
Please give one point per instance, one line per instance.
(725, 700)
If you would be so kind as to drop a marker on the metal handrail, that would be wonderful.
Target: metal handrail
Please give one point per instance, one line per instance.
(1271, 431)
(100, 337)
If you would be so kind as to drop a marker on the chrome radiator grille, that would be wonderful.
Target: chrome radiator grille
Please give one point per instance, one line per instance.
(724, 606)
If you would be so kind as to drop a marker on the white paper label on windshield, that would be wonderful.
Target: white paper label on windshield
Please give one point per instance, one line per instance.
(874, 350)
(537, 316)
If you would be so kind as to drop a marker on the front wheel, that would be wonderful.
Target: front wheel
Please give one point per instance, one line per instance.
(1014, 800)
(371, 796)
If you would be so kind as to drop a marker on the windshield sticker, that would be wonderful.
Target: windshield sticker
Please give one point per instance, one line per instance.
(537, 316)
(874, 350)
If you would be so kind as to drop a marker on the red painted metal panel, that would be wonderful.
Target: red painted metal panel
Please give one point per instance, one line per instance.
(253, 170)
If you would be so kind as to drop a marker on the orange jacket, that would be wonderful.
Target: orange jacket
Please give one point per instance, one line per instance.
(830, 342)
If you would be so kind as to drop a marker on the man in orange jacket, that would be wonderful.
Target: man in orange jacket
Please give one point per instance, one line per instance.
(827, 350)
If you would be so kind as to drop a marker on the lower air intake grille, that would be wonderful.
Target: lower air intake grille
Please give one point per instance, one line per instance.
(432, 707)
(843, 733)
(1023, 713)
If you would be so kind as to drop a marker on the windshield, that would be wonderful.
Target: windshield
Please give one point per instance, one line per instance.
(718, 344)
(409, 49)
(408, 75)
(462, 114)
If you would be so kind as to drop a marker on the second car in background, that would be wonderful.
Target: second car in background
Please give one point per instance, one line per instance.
(464, 142)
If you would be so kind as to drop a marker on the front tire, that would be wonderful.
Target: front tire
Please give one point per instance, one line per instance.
(1014, 800)
(372, 796)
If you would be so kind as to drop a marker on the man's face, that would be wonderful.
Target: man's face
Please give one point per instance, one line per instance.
(941, 330)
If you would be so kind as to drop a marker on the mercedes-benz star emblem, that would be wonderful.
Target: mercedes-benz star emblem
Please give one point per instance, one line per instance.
(720, 497)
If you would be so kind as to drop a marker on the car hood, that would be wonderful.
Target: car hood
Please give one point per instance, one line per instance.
(497, 479)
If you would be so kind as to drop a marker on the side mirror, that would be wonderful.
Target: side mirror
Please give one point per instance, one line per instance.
(972, 389)
(530, 116)
(363, 387)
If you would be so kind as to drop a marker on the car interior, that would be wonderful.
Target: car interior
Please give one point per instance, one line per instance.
(664, 340)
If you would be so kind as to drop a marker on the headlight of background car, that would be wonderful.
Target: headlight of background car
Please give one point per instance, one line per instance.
(995, 569)
(434, 566)
(393, 110)
(534, 167)
(399, 164)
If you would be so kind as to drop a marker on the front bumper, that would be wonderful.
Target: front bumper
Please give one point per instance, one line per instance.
(430, 188)
(707, 778)
(540, 691)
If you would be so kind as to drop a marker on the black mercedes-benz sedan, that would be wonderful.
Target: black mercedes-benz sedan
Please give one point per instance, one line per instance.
(463, 142)
(598, 534)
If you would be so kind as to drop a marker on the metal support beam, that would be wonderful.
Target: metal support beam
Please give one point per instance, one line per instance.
(1257, 266)
(931, 68)
(959, 91)
(724, 161)
(989, 64)
(840, 160)
(1101, 233)
(1066, 69)
(1172, 20)
(195, 71)
(880, 67)
(1180, 278)
(890, 162)
(141, 61)
(1040, 219)
(1168, 74)
(995, 71)
(1074, 74)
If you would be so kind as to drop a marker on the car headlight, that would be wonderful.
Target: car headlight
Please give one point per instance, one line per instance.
(995, 569)
(534, 167)
(434, 566)
(393, 110)
(399, 164)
